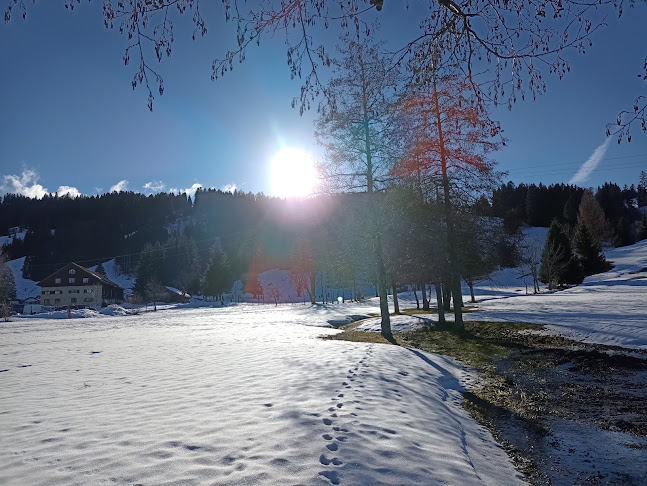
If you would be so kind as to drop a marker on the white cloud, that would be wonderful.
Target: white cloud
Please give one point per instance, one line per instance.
(228, 188)
(190, 191)
(154, 186)
(68, 191)
(25, 184)
(591, 164)
(120, 186)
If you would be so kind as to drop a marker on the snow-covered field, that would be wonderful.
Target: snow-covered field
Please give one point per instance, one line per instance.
(236, 395)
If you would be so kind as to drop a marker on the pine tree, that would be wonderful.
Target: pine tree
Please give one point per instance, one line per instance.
(558, 264)
(591, 257)
(7, 288)
(219, 278)
(592, 216)
(624, 235)
(100, 270)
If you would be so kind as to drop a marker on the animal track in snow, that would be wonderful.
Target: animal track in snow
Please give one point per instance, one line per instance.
(327, 421)
(327, 436)
(332, 447)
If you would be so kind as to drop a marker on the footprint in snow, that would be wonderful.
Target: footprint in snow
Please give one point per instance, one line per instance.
(327, 462)
(339, 405)
(327, 421)
(327, 436)
(331, 476)
(332, 447)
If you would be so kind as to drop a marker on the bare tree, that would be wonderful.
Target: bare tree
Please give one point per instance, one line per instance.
(353, 127)
(531, 261)
(274, 293)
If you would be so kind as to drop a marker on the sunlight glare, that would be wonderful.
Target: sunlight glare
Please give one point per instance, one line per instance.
(293, 173)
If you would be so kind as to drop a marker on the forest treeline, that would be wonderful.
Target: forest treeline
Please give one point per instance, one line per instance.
(205, 243)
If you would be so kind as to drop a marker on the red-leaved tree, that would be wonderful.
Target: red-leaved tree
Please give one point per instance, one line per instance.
(447, 137)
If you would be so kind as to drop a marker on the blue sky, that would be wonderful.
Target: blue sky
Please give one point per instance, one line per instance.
(70, 118)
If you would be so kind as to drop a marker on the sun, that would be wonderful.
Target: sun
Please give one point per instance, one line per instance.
(293, 173)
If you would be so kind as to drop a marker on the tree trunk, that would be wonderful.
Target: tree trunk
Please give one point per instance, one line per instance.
(440, 304)
(415, 294)
(396, 304)
(471, 286)
(425, 300)
(455, 282)
(447, 297)
(313, 287)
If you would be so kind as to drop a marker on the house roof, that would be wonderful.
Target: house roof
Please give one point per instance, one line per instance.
(80, 273)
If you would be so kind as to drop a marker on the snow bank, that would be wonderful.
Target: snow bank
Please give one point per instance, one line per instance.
(62, 314)
(233, 395)
(114, 310)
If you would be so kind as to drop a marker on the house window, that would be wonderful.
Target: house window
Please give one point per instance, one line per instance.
(73, 300)
(86, 279)
(46, 301)
(87, 299)
(72, 280)
(58, 291)
(72, 271)
(57, 280)
(57, 301)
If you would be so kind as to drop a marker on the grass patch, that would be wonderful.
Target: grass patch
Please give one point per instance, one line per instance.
(411, 312)
(350, 334)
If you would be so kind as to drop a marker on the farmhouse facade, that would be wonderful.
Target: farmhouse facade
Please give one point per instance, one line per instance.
(74, 285)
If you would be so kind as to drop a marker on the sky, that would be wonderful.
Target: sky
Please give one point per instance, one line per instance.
(71, 123)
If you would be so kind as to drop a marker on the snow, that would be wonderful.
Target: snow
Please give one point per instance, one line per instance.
(398, 323)
(608, 308)
(112, 272)
(24, 287)
(14, 233)
(177, 291)
(242, 394)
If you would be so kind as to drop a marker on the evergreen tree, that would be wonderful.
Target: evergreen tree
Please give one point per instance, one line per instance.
(592, 216)
(7, 288)
(591, 257)
(148, 273)
(219, 278)
(642, 231)
(558, 264)
(100, 270)
(624, 234)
